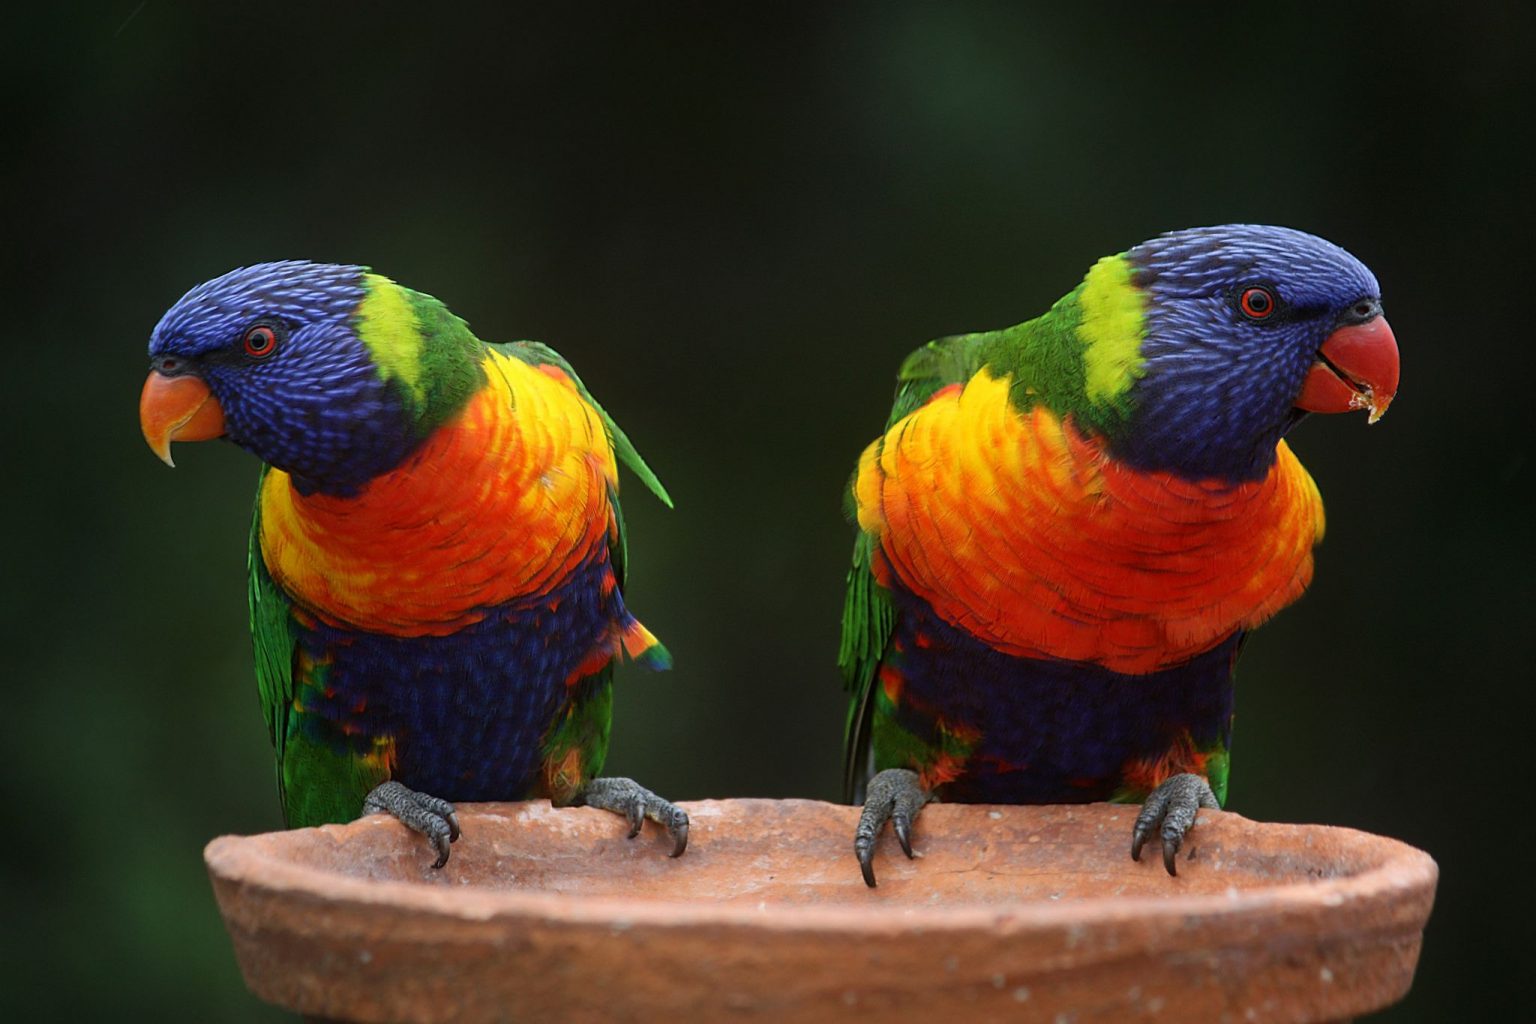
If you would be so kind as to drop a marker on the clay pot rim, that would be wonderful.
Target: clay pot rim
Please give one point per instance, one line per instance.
(249, 861)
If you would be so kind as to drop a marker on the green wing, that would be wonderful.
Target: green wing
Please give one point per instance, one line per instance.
(868, 615)
(938, 364)
(274, 642)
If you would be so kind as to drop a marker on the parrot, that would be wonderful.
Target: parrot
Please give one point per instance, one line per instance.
(436, 562)
(1070, 526)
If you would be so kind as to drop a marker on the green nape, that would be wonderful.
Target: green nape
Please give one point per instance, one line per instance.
(419, 345)
(1082, 356)
(437, 362)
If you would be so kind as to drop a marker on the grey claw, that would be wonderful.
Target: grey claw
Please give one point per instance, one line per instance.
(895, 795)
(635, 812)
(1170, 810)
(869, 872)
(636, 803)
(871, 821)
(902, 826)
(440, 843)
(432, 817)
(679, 832)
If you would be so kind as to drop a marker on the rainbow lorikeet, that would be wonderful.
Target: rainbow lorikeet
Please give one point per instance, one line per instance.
(437, 555)
(1069, 527)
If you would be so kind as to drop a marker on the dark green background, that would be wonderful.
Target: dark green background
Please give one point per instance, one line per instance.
(735, 223)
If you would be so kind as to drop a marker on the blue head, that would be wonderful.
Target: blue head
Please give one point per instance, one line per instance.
(296, 362)
(1246, 328)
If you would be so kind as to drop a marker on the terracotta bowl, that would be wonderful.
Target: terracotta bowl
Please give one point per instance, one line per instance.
(1009, 913)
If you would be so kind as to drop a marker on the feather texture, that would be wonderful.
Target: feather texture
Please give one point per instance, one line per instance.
(452, 623)
(1069, 526)
(437, 554)
(1021, 530)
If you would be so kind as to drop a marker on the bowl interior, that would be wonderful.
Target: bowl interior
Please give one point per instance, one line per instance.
(798, 852)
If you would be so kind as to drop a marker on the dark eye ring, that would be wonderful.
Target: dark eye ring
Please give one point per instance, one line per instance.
(1256, 303)
(260, 341)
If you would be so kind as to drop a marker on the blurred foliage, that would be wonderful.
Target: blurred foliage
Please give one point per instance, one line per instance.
(735, 222)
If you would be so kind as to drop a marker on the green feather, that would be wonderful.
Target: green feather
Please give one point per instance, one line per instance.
(1081, 357)
(273, 639)
(334, 783)
(868, 619)
(868, 615)
(939, 363)
(452, 367)
(584, 730)
(421, 348)
(418, 344)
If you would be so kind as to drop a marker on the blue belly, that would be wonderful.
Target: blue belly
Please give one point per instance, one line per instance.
(1050, 731)
(468, 713)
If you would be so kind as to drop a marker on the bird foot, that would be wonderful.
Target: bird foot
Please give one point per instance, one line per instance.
(1170, 810)
(428, 815)
(636, 803)
(895, 795)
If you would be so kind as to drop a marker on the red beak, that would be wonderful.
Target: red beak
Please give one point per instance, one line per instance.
(1356, 368)
(177, 409)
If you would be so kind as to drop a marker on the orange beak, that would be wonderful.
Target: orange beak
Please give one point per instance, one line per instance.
(1357, 368)
(177, 409)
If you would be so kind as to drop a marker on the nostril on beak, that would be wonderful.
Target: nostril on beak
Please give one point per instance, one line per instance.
(1362, 311)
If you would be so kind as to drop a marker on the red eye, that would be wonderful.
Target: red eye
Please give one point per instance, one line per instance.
(260, 341)
(1256, 303)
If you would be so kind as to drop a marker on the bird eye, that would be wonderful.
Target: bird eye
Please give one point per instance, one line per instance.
(1256, 303)
(260, 341)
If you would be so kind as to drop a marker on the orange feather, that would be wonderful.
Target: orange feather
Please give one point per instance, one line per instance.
(1020, 529)
(503, 501)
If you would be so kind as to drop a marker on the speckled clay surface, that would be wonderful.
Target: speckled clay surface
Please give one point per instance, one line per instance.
(1010, 913)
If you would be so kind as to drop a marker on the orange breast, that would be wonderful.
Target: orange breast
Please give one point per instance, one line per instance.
(1020, 530)
(502, 502)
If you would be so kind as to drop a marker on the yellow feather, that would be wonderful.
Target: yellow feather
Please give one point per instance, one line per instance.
(388, 326)
(1110, 329)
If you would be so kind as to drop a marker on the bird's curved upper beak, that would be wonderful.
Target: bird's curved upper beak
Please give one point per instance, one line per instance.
(1356, 368)
(179, 408)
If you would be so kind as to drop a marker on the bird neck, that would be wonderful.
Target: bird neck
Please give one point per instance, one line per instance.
(1082, 357)
(431, 357)
(1158, 391)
